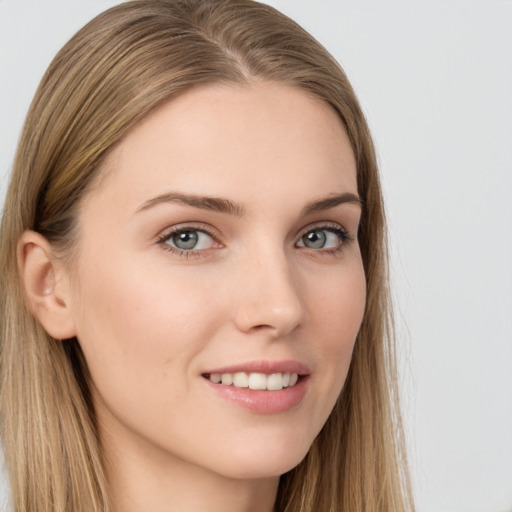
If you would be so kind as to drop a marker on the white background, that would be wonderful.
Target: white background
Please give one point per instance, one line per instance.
(435, 80)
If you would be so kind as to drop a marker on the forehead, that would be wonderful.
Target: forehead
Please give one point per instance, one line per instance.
(233, 140)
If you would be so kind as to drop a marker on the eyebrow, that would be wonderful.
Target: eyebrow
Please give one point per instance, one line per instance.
(222, 205)
(216, 204)
(331, 202)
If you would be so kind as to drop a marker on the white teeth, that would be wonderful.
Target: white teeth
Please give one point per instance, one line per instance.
(275, 382)
(257, 381)
(272, 382)
(227, 379)
(240, 380)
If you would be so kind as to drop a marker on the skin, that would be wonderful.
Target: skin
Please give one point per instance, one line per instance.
(151, 321)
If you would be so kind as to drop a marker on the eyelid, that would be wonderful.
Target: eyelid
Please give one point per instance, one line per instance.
(187, 226)
(334, 227)
(164, 235)
(327, 225)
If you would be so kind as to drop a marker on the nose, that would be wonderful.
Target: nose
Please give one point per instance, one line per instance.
(268, 297)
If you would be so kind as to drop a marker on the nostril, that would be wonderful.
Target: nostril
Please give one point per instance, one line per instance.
(262, 327)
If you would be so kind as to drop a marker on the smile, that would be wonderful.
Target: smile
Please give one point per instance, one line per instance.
(255, 380)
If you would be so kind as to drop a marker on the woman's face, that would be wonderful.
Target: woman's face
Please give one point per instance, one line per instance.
(221, 241)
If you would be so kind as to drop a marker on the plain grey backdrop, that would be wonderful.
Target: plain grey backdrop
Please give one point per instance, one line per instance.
(435, 81)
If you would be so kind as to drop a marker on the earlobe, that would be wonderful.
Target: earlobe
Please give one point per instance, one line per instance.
(46, 285)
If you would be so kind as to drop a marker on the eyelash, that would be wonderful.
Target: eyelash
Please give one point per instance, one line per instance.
(184, 253)
(345, 238)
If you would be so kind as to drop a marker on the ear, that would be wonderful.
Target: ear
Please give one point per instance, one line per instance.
(46, 284)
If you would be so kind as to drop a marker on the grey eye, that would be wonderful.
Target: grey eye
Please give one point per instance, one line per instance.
(189, 239)
(315, 239)
(323, 238)
(185, 240)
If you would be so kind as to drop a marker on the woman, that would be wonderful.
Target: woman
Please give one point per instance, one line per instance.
(194, 304)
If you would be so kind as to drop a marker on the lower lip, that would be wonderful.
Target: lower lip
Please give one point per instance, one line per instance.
(263, 402)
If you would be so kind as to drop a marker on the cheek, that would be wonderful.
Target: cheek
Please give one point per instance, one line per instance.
(336, 313)
(338, 306)
(137, 325)
(141, 335)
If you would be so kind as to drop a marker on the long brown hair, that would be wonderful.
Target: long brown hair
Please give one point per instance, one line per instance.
(115, 71)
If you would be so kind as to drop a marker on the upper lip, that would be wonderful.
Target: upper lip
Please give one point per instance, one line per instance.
(264, 366)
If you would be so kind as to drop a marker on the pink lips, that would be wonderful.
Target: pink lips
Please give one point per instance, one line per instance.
(263, 402)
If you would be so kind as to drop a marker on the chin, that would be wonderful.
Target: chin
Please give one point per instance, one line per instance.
(265, 460)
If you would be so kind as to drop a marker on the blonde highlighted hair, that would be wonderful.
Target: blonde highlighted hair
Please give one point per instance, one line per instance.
(115, 71)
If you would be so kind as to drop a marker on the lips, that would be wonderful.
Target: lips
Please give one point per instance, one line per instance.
(265, 387)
